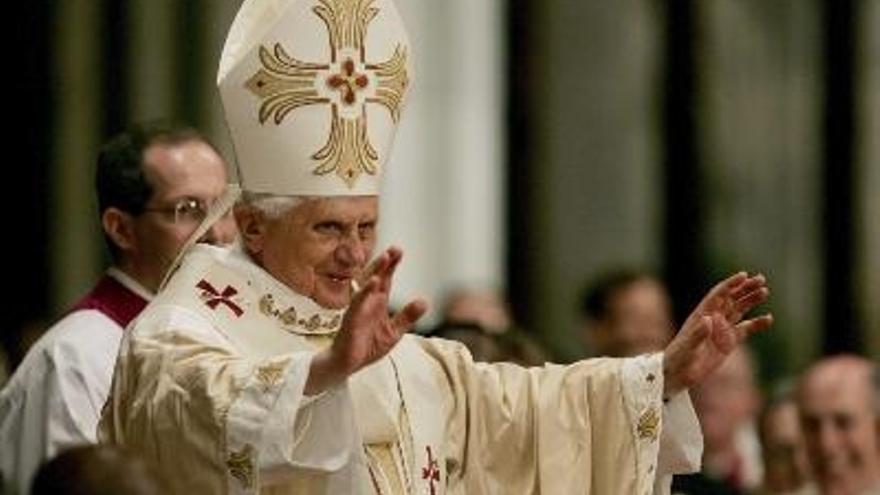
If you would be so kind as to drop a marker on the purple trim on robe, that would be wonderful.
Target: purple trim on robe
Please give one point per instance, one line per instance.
(115, 300)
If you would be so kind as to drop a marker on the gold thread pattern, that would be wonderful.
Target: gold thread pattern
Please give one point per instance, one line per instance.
(285, 84)
(649, 424)
(270, 374)
(241, 465)
(348, 151)
(289, 318)
(392, 82)
(346, 22)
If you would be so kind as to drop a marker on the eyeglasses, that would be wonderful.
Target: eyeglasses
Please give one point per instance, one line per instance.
(184, 211)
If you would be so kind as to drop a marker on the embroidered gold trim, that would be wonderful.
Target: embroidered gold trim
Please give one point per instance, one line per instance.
(289, 317)
(346, 22)
(285, 84)
(241, 465)
(348, 151)
(392, 81)
(649, 424)
(270, 374)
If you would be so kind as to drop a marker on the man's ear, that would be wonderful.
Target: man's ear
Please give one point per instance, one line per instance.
(252, 227)
(119, 227)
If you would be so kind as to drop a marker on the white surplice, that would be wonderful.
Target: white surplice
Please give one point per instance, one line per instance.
(53, 400)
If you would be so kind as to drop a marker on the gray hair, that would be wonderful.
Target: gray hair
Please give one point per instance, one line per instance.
(273, 206)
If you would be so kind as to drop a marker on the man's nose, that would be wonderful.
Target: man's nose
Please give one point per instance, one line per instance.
(828, 438)
(352, 250)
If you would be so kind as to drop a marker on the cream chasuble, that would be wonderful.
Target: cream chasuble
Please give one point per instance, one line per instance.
(209, 385)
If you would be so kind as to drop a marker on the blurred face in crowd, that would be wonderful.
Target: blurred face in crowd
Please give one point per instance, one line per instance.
(639, 320)
(840, 425)
(484, 308)
(317, 248)
(726, 400)
(186, 178)
(786, 468)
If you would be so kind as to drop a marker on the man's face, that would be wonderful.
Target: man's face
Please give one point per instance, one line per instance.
(726, 401)
(786, 468)
(318, 247)
(177, 172)
(840, 428)
(639, 320)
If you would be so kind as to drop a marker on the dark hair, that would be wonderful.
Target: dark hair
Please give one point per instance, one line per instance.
(120, 181)
(596, 297)
(97, 470)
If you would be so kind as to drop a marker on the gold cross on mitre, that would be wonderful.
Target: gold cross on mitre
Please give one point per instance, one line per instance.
(347, 83)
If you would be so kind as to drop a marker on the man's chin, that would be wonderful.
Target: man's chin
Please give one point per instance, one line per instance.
(333, 300)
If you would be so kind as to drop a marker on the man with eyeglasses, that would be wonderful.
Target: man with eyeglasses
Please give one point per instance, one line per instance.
(154, 185)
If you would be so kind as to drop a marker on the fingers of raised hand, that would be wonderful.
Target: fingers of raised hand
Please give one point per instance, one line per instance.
(376, 266)
(753, 325)
(694, 334)
(370, 286)
(725, 336)
(394, 257)
(407, 317)
(729, 284)
(750, 284)
(384, 266)
(717, 297)
(751, 299)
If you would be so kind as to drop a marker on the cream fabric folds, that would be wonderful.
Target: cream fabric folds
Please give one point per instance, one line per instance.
(214, 415)
(209, 386)
(313, 91)
(589, 428)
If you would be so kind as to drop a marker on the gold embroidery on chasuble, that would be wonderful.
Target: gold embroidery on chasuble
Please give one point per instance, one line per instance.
(293, 323)
(347, 84)
(270, 374)
(241, 466)
(384, 422)
(649, 424)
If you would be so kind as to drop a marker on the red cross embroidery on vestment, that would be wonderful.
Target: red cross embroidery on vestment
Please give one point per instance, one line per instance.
(212, 297)
(431, 472)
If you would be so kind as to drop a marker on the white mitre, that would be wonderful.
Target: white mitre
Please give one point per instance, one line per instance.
(313, 92)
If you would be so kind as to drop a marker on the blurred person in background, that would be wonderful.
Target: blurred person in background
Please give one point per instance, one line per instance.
(154, 184)
(481, 320)
(484, 308)
(97, 470)
(839, 403)
(786, 468)
(727, 404)
(626, 313)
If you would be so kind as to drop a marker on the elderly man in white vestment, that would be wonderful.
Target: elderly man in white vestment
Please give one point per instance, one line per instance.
(150, 182)
(265, 369)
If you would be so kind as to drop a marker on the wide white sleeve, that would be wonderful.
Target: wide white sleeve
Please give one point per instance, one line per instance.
(590, 428)
(53, 402)
(218, 421)
(681, 442)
